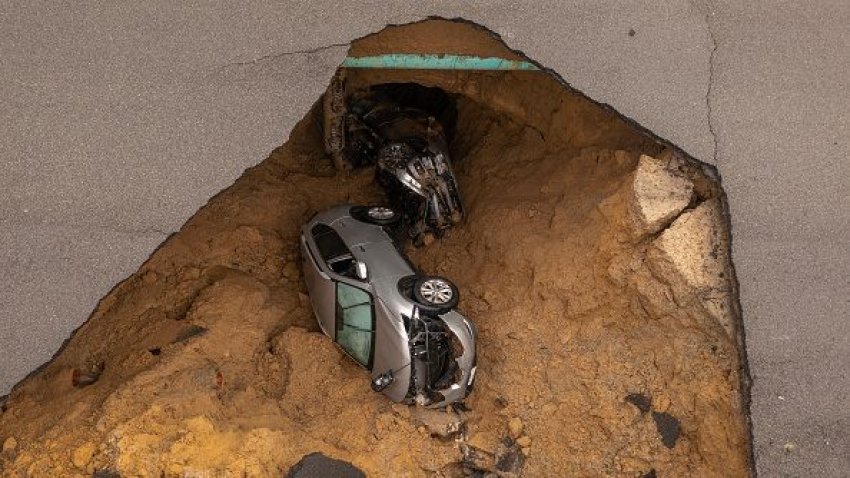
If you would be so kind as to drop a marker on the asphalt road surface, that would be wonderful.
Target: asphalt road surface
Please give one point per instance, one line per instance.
(121, 120)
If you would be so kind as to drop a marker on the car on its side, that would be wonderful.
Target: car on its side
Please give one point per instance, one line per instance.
(384, 126)
(399, 324)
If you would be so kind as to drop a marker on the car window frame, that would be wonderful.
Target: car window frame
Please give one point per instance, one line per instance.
(325, 263)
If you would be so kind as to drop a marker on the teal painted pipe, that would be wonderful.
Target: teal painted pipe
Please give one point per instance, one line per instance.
(412, 61)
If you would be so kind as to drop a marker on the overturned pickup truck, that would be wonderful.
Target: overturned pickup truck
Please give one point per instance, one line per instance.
(399, 324)
(390, 126)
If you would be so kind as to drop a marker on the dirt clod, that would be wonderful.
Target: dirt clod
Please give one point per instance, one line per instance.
(668, 427)
(82, 455)
(10, 444)
(515, 427)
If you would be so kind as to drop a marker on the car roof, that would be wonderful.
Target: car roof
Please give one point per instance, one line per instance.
(369, 243)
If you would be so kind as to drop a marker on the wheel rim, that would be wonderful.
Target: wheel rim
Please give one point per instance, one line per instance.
(436, 291)
(381, 213)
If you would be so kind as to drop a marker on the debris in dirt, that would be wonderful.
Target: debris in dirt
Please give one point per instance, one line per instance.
(438, 423)
(10, 444)
(649, 474)
(659, 192)
(3, 401)
(790, 447)
(317, 465)
(515, 427)
(476, 459)
(631, 32)
(155, 351)
(505, 461)
(82, 455)
(83, 378)
(106, 473)
(189, 332)
(508, 458)
(524, 441)
(641, 401)
(668, 427)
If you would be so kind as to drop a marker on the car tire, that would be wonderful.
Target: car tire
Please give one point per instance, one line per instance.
(378, 215)
(435, 293)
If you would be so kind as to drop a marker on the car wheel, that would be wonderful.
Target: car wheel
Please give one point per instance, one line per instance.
(435, 292)
(379, 215)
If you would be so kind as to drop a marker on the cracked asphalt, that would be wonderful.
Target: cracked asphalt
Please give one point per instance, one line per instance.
(122, 119)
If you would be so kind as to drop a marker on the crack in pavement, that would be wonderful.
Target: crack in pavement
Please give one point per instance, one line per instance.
(273, 56)
(706, 13)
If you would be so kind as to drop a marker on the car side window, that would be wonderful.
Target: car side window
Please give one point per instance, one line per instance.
(355, 328)
(333, 250)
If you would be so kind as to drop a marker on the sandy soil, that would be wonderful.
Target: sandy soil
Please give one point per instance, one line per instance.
(607, 347)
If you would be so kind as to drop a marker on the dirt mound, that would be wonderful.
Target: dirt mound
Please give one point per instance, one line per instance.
(594, 262)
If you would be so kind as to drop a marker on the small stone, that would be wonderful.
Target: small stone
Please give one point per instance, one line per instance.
(82, 455)
(790, 447)
(525, 451)
(10, 444)
(524, 441)
(515, 428)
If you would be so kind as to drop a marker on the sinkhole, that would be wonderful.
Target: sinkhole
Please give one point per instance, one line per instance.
(593, 258)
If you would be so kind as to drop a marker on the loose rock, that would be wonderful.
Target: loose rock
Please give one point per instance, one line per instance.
(668, 427)
(515, 427)
(659, 193)
(82, 455)
(10, 444)
(316, 465)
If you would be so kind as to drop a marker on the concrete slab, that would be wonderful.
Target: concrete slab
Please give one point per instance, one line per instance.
(121, 120)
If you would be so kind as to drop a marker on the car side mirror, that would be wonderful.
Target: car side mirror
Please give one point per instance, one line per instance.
(360, 270)
(382, 381)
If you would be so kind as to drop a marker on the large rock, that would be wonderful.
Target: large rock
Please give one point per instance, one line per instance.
(659, 192)
(691, 257)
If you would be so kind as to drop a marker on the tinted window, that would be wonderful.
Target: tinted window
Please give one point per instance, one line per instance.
(355, 322)
(329, 243)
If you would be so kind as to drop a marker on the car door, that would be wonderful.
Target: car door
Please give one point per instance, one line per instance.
(324, 257)
(321, 288)
(355, 323)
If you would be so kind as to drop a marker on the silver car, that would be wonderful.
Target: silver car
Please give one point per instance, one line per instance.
(399, 324)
